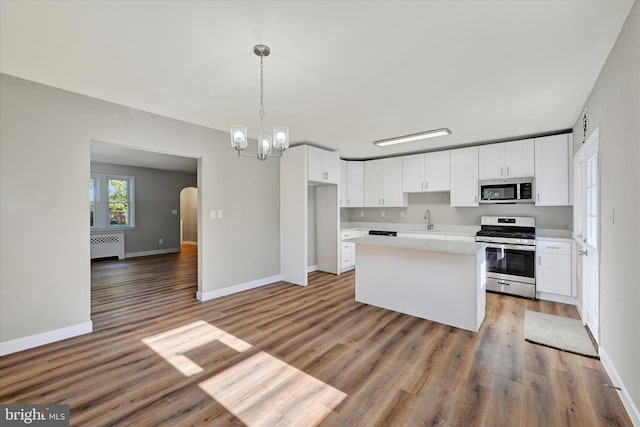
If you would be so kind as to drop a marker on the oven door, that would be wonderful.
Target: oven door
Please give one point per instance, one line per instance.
(511, 262)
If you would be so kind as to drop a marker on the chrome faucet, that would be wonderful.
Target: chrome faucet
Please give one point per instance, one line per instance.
(427, 217)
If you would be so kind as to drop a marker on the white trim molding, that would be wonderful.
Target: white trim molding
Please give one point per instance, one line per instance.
(206, 296)
(563, 299)
(189, 242)
(43, 338)
(631, 408)
(312, 268)
(153, 252)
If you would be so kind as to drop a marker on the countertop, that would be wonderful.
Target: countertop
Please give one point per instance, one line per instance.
(452, 230)
(454, 247)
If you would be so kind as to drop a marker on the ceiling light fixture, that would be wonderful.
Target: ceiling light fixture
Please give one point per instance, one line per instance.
(413, 137)
(280, 139)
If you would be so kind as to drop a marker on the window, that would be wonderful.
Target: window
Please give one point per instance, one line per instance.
(111, 201)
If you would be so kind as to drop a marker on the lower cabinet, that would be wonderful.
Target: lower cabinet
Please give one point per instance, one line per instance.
(553, 267)
(348, 250)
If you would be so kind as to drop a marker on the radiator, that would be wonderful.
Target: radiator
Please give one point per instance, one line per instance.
(107, 245)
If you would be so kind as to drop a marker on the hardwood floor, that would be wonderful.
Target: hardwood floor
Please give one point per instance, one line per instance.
(301, 356)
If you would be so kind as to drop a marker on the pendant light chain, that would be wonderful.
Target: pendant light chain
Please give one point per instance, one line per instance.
(261, 95)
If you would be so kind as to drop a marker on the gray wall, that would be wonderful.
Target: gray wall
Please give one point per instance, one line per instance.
(189, 214)
(45, 134)
(559, 217)
(157, 193)
(614, 107)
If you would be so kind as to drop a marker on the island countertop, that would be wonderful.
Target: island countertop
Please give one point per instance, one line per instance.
(454, 247)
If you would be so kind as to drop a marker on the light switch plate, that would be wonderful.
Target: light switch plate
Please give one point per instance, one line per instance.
(219, 213)
(174, 211)
(212, 214)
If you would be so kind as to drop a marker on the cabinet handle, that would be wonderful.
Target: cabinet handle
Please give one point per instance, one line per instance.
(426, 185)
(538, 197)
(383, 200)
(500, 282)
(585, 253)
(539, 260)
(507, 170)
(501, 171)
(552, 247)
(475, 199)
(348, 201)
(421, 185)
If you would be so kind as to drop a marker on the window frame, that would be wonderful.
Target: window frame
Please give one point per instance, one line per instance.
(101, 202)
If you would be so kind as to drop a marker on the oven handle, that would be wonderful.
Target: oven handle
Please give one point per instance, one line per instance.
(515, 247)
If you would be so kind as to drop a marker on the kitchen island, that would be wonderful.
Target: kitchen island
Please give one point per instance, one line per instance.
(437, 280)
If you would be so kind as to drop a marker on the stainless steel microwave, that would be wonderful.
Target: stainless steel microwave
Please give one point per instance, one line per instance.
(516, 190)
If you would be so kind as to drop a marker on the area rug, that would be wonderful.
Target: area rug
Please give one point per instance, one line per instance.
(558, 332)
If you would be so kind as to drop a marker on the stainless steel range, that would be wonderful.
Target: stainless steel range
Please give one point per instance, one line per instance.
(510, 254)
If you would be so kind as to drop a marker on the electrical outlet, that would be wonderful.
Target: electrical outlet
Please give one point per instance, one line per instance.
(160, 241)
(174, 211)
(382, 214)
(220, 213)
(401, 214)
(212, 215)
(361, 214)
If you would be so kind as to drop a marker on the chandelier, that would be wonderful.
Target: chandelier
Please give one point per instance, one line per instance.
(280, 139)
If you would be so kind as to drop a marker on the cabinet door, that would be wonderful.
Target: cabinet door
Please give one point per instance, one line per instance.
(519, 159)
(330, 166)
(315, 171)
(436, 171)
(355, 184)
(413, 173)
(464, 177)
(342, 184)
(552, 170)
(373, 183)
(392, 194)
(491, 161)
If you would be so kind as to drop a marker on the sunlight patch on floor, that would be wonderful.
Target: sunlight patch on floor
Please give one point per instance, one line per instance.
(172, 344)
(265, 391)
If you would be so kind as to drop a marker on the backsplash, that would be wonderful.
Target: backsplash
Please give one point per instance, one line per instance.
(554, 217)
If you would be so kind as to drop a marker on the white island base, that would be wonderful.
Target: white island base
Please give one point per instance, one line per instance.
(434, 280)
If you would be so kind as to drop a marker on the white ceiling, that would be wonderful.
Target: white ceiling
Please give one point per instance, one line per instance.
(341, 74)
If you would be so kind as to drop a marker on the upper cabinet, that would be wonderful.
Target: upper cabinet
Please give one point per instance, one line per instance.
(383, 183)
(322, 165)
(464, 177)
(552, 170)
(513, 159)
(425, 172)
(355, 184)
(351, 184)
(342, 184)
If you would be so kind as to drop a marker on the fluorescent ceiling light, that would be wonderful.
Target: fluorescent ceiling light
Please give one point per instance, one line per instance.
(413, 137)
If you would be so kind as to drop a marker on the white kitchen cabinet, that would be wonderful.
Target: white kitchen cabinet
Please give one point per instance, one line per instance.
(383, 183)
(425, 172)
(552, 170)
(464, 177)
(355, 184)
(342, 184)
(553, 267)
(513, 159)
(348, 250)
(322, 165)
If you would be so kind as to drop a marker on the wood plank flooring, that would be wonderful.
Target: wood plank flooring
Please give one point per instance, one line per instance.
(300, 356)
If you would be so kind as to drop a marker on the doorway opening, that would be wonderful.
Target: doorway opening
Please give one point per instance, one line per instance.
(189, 216)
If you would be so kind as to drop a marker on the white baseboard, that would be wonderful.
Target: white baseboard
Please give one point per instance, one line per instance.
(43, 338)
(206, 296)
(556, 298)
(189, 242)
(631, 408)
(153, 252)
(312, 268)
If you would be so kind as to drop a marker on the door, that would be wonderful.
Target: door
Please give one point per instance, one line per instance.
(373, 183)
(519, 159)
(591, 230)
(464, 177)
(491, 161)
(413, 173)
(392, 182)
(355, 184)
